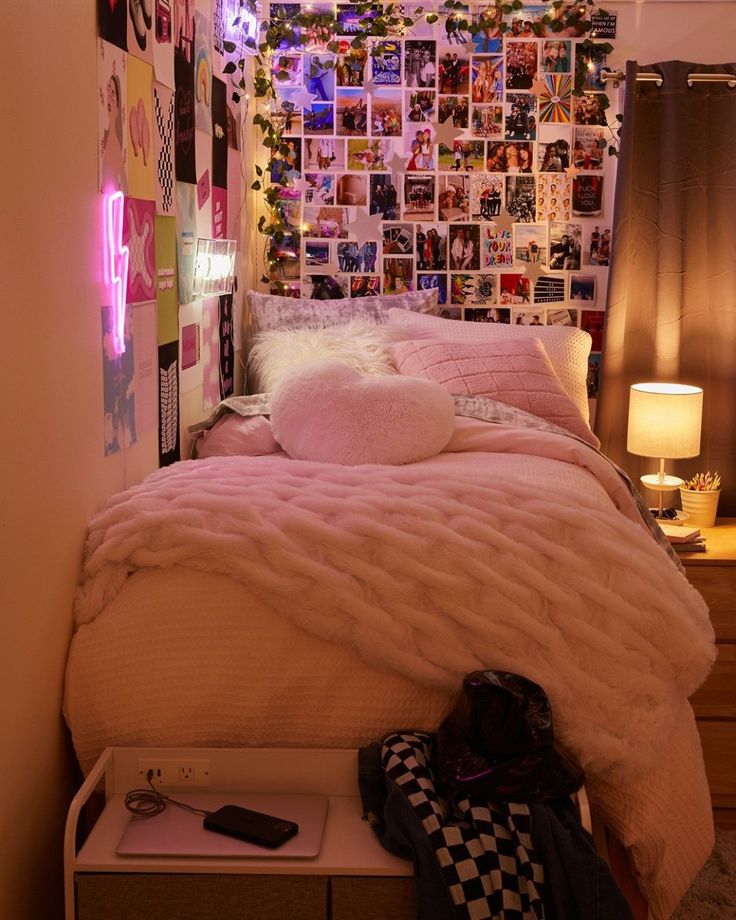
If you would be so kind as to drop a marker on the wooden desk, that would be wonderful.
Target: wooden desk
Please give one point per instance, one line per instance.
(713, 573)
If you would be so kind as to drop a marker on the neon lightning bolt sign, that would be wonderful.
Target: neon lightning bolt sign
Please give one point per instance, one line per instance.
(116, 267)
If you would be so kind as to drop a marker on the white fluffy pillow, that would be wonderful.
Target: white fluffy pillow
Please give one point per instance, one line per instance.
(327, 411)
(568, 348)
(359, 344)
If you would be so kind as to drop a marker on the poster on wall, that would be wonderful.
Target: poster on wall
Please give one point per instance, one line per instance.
(210, 353)
(118, 371)
(227, 346)
(202, 72)
(184, 156)
(163, 148)
(168, 395)
(145, 367)
(112, 21)
(163, 44)
(140, 129)
(167, 287)
(140, 28)
(219, 133)
(112, 93)
(139, 236)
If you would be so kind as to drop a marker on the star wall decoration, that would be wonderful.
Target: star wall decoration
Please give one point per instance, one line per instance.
(539, 87)
(445, 132)
(504, 221)
(366, 226)
(397, 164)
(303, 98)
(572, 171)
(534, 271)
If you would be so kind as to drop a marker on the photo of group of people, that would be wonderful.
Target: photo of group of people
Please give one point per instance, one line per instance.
(528, 149)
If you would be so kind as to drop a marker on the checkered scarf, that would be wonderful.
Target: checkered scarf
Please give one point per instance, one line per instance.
(484, 848)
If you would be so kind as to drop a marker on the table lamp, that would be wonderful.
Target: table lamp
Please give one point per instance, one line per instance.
(664, 422)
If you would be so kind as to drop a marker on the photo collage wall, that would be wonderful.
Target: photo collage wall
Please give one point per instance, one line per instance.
(492, 181)
(169, 141)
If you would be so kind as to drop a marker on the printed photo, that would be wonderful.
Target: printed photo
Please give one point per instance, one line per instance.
(325, 287)
(353, 258)
(487, 79)
(498, 250)
(549, 289)
(530, 243)
(398, 275)
(592, 66)
(554, 197)
(557, 56)
(521, 198)
(419, 194)
(325, 223)
(427, 282)
(398, 239)
(420, 63)
(513, 288)
(319, 188)
(285, 164)
(287, 69)
(511, 157)
(488, 37)
(592, 322)
(385, 117)
(553, 149)
(286, 13)
(565, 244)
(528, 21)
(582, 287)
(290, 117)
(453, 26)
(588, 110)
(352, 190)
(464, 246)
(587, 196)
(486, 196)
(316, 253)
(453, 73)
(365, 285)
(368, 154)
(486, 121)
(350, 21)
(420, 147)
(420, 105)
(418, 11)
(521, 64)
(594, 375)
(321, 30)
(466, 155)
(324, 153)
(520, 317)
(589, 145)
(487, 315)
(555, 100)
(472, 289)
(453, 197)
(384, 197)
(431, 247)
(350, 65)
(319, 76)
(320, 119)
(565, 317)
(521, 116)
(286, 258)
(291, 208)
(111, 105)
(597, 245)
(286, 288)
(386, 63)
(352, 112)
(453, 109)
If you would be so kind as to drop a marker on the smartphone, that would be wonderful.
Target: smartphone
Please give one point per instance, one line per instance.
(253, 826)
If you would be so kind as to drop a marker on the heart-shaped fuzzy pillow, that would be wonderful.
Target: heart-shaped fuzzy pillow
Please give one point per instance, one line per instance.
(324, 410)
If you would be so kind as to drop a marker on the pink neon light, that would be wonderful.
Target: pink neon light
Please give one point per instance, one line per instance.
(116, 266)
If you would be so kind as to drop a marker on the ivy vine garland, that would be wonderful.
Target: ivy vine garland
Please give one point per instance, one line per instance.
(378, 22)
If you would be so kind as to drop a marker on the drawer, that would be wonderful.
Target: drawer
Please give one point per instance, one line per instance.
(719, 749)
(717, 584)
(371, 898)
(716, 699)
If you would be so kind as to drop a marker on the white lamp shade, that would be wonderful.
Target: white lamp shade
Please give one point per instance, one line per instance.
(664, 420)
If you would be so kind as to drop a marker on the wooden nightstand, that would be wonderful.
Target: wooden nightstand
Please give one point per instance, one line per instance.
(713, 573)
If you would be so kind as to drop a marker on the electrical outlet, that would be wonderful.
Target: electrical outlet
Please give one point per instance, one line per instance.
(173, 773)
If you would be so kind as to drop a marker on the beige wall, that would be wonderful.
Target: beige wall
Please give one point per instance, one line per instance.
(54, 474)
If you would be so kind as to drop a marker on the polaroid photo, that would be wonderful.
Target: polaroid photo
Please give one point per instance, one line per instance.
(421, 105)
(522, 317)
(286, 165)
(289, 117)
(398, 239)
(497, 247)
(419, 197)
(520, 123)
(351, 190)
(554, 197)
(530, 243)
(486, 196)
(384, 196)
(521, 64)
(582, 287)
(468, 290)
(565, 246)
(385, 113)
(286, 69)
(283, 13)
(521, 198)
(316, 253)
(593, 322)
(528, 22)
(555, 99)
(549, 289)
(398, 275)
(453, 197)
(430, 247)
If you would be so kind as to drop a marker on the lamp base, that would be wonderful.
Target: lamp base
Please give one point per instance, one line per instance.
(656, 483)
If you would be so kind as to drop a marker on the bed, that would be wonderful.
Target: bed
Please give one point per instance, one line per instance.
(323, 575)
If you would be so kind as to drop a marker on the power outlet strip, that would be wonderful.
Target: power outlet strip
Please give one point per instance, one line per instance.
(187, 773)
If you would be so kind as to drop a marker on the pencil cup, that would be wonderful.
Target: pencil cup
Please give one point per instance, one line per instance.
(700, 506)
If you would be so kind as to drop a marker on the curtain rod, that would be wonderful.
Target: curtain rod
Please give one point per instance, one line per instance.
(617, 76)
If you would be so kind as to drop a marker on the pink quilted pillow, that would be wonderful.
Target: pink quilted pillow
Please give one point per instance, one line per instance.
(517, 372)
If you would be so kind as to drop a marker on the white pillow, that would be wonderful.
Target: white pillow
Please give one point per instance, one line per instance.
(361, 344)
(567, 347)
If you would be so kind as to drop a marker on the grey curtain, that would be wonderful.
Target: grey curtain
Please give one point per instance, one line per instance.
(672, 287)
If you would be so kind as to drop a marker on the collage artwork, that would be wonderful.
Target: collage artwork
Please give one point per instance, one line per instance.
(169, 139)
(445, 158)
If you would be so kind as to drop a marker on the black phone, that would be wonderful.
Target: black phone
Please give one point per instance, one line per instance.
(253, 826)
